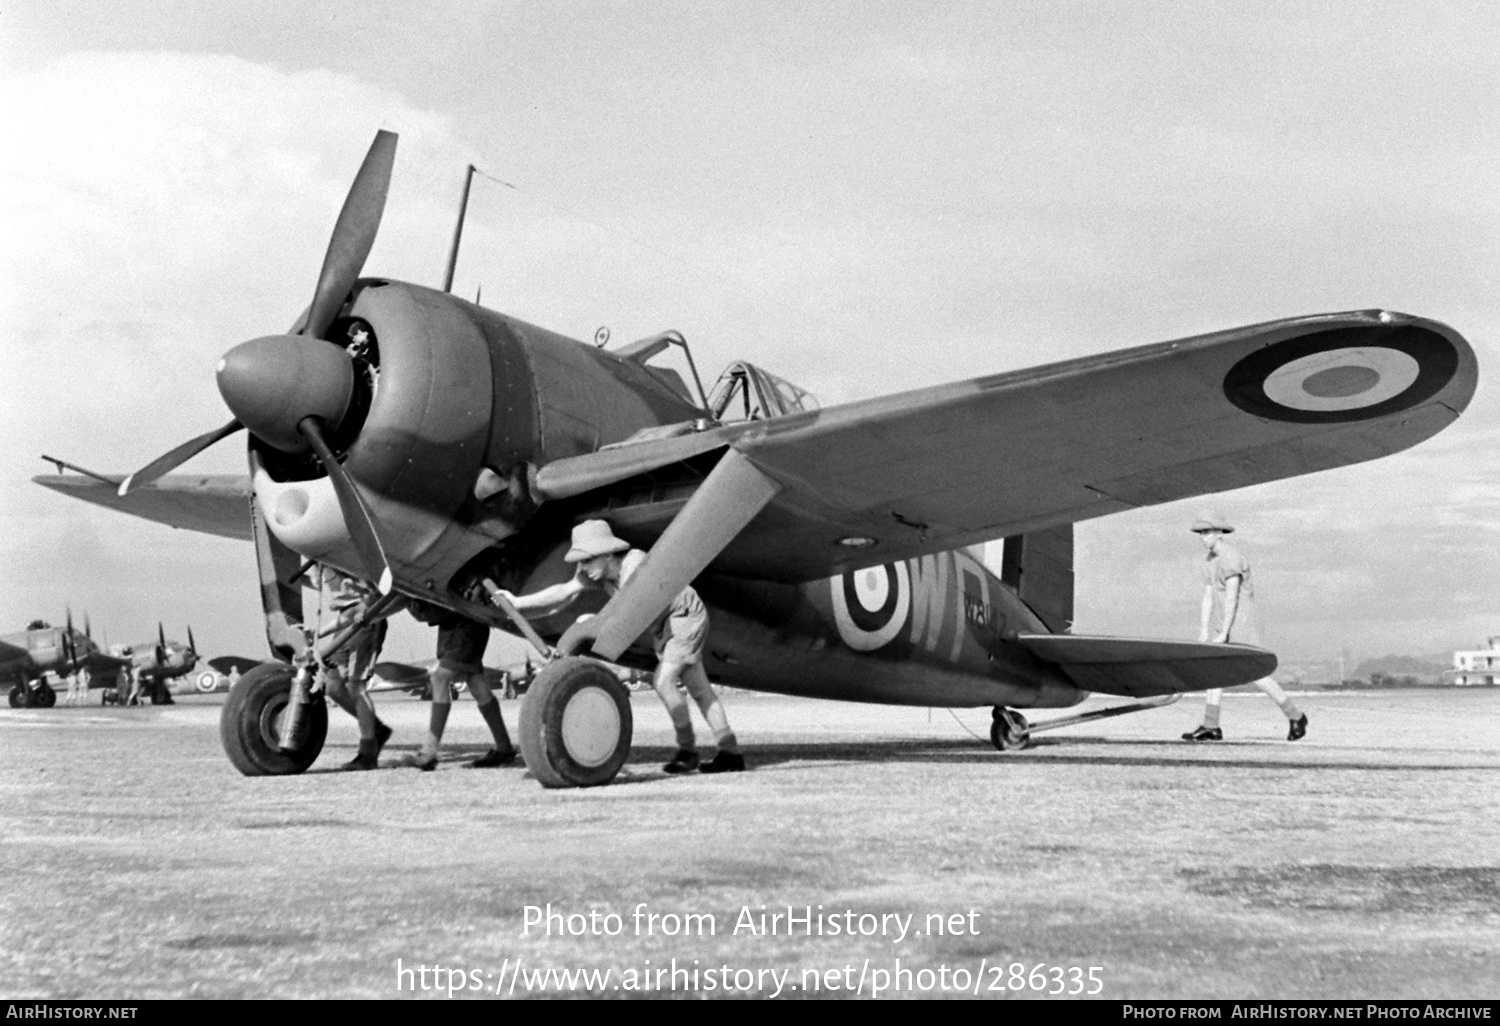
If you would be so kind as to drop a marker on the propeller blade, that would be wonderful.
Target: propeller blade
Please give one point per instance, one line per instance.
(353, 234)
(88, 631)
(178, 456)
(356, 515)
(192, 645)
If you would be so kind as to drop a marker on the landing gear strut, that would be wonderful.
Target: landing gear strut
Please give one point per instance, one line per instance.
(1009, 732)
(256, 713)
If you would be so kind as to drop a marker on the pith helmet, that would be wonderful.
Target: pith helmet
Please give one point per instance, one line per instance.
(1214, 521)
(593, 538)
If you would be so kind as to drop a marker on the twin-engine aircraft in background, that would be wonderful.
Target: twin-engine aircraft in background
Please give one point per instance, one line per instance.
(402, 434)
(27, 658)
(157, 663)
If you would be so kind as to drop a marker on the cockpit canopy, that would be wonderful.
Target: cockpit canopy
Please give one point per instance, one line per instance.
(745, 392)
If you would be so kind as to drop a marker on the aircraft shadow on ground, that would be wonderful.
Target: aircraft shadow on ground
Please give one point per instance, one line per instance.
(946, 751)
(1049, 751)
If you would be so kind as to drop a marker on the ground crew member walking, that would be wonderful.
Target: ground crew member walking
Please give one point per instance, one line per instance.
(1228, 615)
(460, 650)
(679, 635)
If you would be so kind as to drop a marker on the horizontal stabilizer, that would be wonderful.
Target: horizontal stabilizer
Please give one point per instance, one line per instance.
(1143, 667)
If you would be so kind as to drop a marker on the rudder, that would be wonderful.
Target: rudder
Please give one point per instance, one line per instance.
(1039, 565)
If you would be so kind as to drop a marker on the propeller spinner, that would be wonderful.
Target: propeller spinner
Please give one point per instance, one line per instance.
(288, 390)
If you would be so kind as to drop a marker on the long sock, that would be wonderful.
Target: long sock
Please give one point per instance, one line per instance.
(364, 712)
(437, 721)
(1211, 708)
(491, 712)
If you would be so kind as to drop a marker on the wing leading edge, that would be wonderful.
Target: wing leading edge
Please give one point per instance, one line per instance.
(214, 504)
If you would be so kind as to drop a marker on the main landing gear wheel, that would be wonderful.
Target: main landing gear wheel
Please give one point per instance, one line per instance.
(20, 697)
(250, 724)
(575, 724)
(1009, 732)
(45, 697)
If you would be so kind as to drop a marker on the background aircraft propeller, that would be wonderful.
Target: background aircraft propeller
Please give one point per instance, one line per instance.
(285, 390)
(70, 650)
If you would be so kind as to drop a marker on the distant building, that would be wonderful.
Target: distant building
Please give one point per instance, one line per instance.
(1481, 666)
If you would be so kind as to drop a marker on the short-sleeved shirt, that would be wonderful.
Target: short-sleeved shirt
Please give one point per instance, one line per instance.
(1223, 563)
(680, 633)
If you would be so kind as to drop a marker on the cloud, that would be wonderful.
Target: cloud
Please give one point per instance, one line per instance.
(162, 208)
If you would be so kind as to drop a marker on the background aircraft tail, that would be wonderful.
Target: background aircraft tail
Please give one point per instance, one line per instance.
(1039, 565)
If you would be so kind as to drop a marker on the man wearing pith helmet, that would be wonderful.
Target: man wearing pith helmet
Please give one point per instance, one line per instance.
(1228, 615)
(679, 635)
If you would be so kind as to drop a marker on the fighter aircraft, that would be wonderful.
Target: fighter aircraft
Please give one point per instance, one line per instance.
(446, 450)
(28, 657)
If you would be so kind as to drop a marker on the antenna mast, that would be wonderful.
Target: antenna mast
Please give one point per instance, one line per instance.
(458, 229)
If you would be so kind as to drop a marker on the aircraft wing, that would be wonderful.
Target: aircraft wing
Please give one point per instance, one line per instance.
(214, 504)
(99, 665)
(939, 468)
(401, 674)
(229, 664)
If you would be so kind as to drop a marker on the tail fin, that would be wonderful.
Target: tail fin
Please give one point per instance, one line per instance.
(1039, 565)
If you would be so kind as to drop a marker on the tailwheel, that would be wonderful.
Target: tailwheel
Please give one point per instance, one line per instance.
(251, 721)
(1009, 732)
(575, 724)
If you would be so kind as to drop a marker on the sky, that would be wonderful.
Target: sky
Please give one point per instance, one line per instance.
(860, 197)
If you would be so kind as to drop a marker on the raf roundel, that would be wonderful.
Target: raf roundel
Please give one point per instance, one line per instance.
(1350, 374)
(870, 606)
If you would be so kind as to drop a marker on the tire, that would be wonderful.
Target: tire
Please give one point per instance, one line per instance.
(45, 697)
(250, 719)
(20, 697)
(576, 725)
(1009, 732)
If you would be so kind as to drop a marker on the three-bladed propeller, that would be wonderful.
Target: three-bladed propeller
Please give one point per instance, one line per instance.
(287, 390)
(70, 650)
